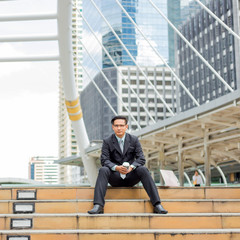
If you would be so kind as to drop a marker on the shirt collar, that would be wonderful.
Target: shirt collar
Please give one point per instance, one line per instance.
(118, 138)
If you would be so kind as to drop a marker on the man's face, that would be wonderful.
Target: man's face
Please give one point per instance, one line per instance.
(119, 127)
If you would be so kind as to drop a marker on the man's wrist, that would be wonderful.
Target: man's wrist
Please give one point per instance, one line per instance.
(114, 168)
(132, 166)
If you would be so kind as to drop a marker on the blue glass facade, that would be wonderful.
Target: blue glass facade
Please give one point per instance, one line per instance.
(154, 27)
(125, 30)
(174, 15)
(32, 170)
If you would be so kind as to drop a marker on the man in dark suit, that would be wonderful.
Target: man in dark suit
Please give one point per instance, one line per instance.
(113, 171)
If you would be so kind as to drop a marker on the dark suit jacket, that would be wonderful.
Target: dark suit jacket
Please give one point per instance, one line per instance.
(112, 154)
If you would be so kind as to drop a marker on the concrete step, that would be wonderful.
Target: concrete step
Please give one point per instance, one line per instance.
(120, 221)
(46, 193)
(120, 206)
(134, 234)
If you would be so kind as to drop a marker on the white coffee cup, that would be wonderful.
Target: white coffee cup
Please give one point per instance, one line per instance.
(126, 165)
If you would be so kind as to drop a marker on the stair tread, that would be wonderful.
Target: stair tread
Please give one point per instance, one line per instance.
(27, 215)
(181, 231)
(122, 200)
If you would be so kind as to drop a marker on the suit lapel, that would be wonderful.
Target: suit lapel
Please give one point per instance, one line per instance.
(115, 143)
(126, 144)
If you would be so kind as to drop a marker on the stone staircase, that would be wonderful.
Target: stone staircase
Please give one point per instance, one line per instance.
(59, 213)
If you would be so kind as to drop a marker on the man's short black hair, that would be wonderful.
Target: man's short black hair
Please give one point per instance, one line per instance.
(119, 117)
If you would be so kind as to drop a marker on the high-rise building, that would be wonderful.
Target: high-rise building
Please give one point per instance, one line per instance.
(67, 141)
(174, 15)
(125, 30)
(188, 8)
(97, 114)
(43, 169)
(178, 13)
(217, 46)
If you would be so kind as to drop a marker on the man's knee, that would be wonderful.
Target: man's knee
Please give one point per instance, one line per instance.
(104, 171)
(141, 170)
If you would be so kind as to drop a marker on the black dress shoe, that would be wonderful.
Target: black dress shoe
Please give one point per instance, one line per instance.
(97, 209)
(159, 209)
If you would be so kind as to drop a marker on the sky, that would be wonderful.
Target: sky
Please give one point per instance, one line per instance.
(28, 90)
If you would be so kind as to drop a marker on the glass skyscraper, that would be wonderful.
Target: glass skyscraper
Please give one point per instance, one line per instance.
(154, 27)
(124, 29)
(148, 20)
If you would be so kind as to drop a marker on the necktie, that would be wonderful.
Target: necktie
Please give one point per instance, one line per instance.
(121, 145)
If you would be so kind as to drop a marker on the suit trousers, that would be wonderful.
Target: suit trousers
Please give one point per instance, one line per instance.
(140, 174)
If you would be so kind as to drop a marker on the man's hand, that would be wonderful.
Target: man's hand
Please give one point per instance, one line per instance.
(129, 169)
(123, 170)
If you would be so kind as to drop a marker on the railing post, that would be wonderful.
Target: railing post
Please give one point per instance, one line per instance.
(180, 162)
(207, 164)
